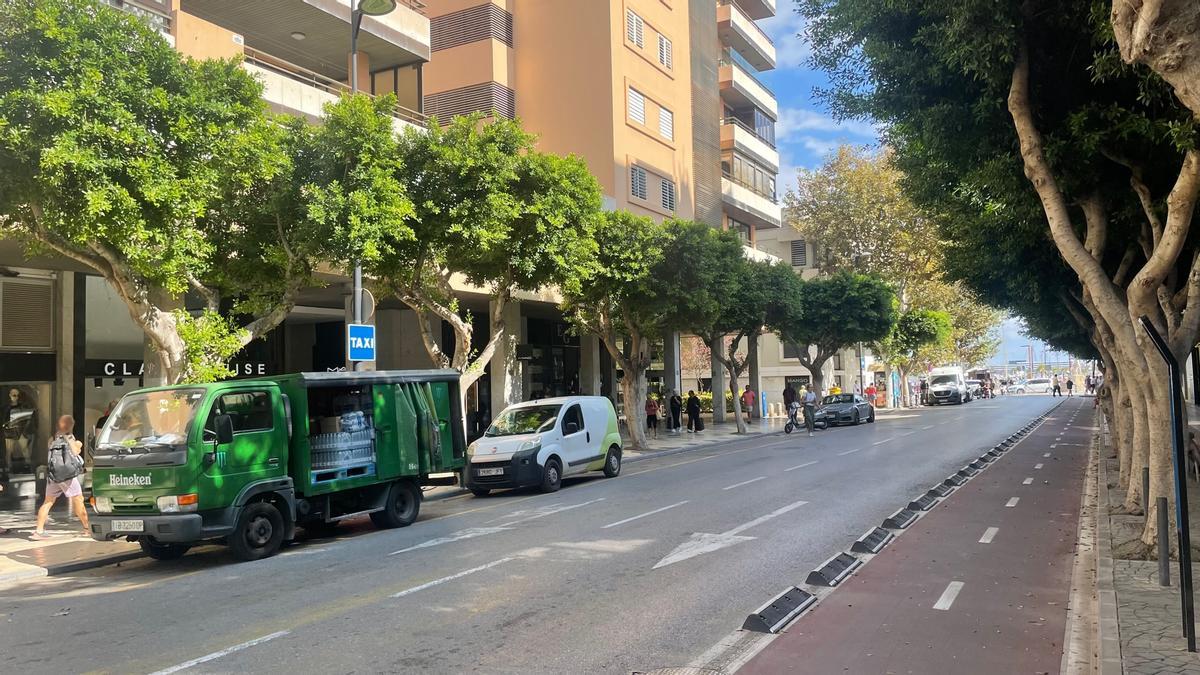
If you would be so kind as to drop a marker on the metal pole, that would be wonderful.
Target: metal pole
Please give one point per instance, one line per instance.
(1182, 528)
(1164, 545)
(1146, 490)
(355, 22)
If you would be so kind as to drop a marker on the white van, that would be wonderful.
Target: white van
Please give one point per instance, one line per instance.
(948, 385)
(539, 442)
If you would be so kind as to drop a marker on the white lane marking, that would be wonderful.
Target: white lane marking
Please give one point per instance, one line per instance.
(643, 515)
(849, 452)
(1045, 454)
(1027, 481)
(800, 466)
(988, 535)
(703, 542)
(1012, 502)
(1052, 445)
(550, 512)
(927, 428)
(452, 577)
(469, 533)
(224, 652)
(883, 441)
(1038, 466)
(745, 482)
(948, 596)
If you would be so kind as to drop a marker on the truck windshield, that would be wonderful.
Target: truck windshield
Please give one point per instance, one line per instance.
(525, 420)
(154, 421)
(944, 379)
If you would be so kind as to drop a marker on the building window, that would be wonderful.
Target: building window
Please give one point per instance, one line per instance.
(634, 28)
(799, 253)
(749, 174)
(837, 361)
(742, 229)
(637, 106)
(637, 182)
(668, 195)
(666, 124)
(664, 52)
(791, 350)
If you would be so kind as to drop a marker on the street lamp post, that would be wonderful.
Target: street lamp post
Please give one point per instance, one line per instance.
(363, 8)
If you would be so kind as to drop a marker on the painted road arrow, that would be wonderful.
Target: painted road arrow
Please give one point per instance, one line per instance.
(703, 542)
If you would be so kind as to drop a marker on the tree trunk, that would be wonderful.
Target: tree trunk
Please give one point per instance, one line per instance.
(1164, 35)
(905, 394)
(635, 389)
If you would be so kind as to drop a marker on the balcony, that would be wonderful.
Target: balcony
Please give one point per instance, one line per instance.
(736, 135)
(295, 90)
(756, 9)
(738, 31)
(749, 206)
(315, 34)
(757, 255)
(740, 88)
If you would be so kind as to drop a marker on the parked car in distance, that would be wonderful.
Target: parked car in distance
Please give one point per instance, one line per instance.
(536, 443)
(947, 385)
(975, 388)
(847, 409)
(1037, 385)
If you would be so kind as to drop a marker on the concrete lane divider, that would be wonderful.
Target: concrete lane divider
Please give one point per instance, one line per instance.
(779, 611)
(938, 491)
(833, 571)
(968, 471)
(900, 519)
(922, 503)
(872, 541)
(954, 480)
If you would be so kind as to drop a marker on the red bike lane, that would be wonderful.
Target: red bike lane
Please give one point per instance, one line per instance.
(979, 585)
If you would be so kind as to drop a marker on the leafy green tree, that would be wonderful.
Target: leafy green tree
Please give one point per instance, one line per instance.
(915, 330)
(835, 312)
(154, 170)
(622, 301)
(492, 209)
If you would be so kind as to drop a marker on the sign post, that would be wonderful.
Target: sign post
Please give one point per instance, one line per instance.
(360, 342)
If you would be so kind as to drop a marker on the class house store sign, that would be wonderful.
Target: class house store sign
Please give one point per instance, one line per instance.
(137, 368)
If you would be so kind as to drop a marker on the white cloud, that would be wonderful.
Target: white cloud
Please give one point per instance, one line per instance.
(786, 28)
(792, 120)
(819, 146)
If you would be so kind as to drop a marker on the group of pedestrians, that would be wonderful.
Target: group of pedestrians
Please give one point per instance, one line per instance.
(1056, 386)
(671, 410)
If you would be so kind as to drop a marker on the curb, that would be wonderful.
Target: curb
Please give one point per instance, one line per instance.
(80, 565)
(1108, 627)
(34, 573)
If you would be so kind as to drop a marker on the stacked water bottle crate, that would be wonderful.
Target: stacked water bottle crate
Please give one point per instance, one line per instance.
(353, 445)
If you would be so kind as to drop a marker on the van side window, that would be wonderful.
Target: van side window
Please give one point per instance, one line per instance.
(574, 414)
(249, 410)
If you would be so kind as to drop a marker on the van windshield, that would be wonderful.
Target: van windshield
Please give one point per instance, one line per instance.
(525, 420)
(154, 421)
(944, 379)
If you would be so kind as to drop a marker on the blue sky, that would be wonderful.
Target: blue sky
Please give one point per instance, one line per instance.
(805, 131)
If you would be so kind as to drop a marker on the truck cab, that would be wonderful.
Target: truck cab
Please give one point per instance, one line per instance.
(247, 462)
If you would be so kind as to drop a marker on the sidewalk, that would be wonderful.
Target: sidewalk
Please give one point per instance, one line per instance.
(980, 584)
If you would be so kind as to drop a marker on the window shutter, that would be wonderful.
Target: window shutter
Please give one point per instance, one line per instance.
(637, 106)
(26, 317)
(668, 195)
(637, 181)
(634, 28)
(664, 52)
(666, 124)
(799, 253)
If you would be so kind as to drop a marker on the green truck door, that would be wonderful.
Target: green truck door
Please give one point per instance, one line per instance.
(257, 450)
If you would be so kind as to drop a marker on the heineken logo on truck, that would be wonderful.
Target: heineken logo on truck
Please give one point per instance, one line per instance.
(129, 481)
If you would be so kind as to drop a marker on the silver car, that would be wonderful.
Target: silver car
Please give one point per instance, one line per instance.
(842, 409)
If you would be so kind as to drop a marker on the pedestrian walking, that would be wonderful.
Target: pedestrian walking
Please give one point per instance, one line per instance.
(924, 388)
(1070, 386)
(748, 403)
(694, 425)
(675, 404)
(652, 415)
(1055, 387)
(789, 396)
(65, 466)
(810, 411)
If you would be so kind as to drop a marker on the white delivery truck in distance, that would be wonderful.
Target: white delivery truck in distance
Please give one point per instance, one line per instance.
(948, 385)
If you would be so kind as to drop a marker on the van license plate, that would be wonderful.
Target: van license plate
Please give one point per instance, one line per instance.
(491, 472)
(129, 526)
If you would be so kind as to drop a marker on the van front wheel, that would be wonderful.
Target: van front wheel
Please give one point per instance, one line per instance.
(258, 533)
(551, 476)
(612, 463)
(402, 506)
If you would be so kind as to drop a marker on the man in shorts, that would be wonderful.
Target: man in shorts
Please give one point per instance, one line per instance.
(71, 489)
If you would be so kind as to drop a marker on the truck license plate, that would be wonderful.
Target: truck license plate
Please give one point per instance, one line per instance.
(128, 526)
(491, 472)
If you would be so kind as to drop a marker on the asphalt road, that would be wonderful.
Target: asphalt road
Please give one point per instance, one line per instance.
(643, 571)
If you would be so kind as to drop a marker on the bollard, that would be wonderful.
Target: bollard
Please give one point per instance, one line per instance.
(1146, 490)
(1164, 544)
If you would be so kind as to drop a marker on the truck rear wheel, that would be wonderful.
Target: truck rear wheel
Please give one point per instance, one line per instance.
(161, 551)
(258, 533)
(401, 508)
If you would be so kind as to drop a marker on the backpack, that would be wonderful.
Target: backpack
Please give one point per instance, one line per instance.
(64, 464)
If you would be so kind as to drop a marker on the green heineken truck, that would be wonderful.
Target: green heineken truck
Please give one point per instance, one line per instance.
(246, 462)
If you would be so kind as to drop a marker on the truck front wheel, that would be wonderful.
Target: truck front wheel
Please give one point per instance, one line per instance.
(258, 533)
(403, 505)
(161, 551)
